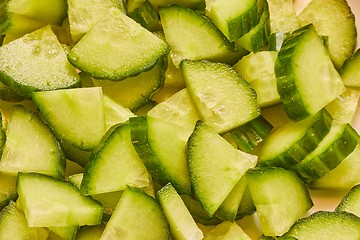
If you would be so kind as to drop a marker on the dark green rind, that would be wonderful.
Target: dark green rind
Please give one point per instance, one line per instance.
(147, 16)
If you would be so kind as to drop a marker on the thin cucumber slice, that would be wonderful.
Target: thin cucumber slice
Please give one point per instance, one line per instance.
(327, 17)
(350, 72)
(91, 10)
(335, 147)
(7, 189)
(116, 48)
(13, 224)
(22, 154)
(290, 143)
(234, 18)
(182, 224)
(75, 115)
(280, 198)
(215, 166)
(193, 36)
(114, 164)
(302, 65)
(350, 202)
(56, 204)
(223, 98)
(226, 230)
(282, 16)
(137, 216)
(324, 225)
(41, 64)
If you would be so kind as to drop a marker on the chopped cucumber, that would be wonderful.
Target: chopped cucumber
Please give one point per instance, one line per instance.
(350, 202)
(227, 230)
(7, 189)
(350, 72)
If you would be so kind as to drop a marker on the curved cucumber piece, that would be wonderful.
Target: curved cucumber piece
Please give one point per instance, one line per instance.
(116, 48)
(278, 208)
(351, 201)
(223, 98)
(336, 146)
(289, 144)
(321, 226)
(193, 36)
(350, 71)
(302, 65)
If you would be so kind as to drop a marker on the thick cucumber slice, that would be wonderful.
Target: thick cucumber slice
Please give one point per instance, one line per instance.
(302, 65)
(13, 225)
(56, 204)
(22, 154)
(282, 16)
(166, 164)
(350, 71)
(234, 18)
(327, 17)
(336, 146)
(114, 164)
(223, 98)
(193, 36)
(289, 144)
(117, 47)
(134, 92)
(351, 201)
(226, 230)
(137, 216)
(182, 224)
(40, 62)
(215, 166)
(75, 115)
(280, 198)
(324, 225)
(84, 14)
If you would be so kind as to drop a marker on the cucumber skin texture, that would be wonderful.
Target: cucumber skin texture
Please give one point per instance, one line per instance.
(350, 202)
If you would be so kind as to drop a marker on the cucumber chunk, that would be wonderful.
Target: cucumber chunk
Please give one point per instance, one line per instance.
(40, 62)
(7, 189)
(56, 204)
(350, 72)
(282, 16)
(116, 48)
(351, 201)
(280, 198)
(226, 230)
(137, 216)
(302, 65)
(22, 154)
(223, 98)
(215, 166)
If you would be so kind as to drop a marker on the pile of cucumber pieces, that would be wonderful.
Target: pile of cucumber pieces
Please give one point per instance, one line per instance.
(174, 119)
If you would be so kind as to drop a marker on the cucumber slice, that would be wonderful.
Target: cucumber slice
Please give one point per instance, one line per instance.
(7, 189)
(40, 62)
(114, 164)
(336, 146)
(280, 198)
(116, 48)
(350, 72)
(350, 202)
(215, 166)
(56, 204)
(90, 232)
(67, 233)
(223, 98)
(303, 65)
(182, 224)
(13, 225)
(76, 116)
(137, 216)
(282, 16)
(22, 154)
(226, 230)
(291, 143)
(115, 113)
(193, 36)
(327, 17)
(324, 225)
(147, 16)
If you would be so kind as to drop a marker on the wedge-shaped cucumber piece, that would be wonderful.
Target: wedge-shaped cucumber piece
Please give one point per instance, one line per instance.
(182, 224)
(234, 18)
(7, 189)
(137, 216)
(324, 225)
(335, 147)
(134, 92)
(282, 16)
(40, 62)
(280, 198)
(226, 230)
(350, 71)
(31, 146)
(117, 47)
(75, 115)
(13, 225)
(115, 113)
(84, 14)
(327, 17)
(290, 143)
(193, 36)
(302, 66)
(56, 203)
(215, 166)
(161, 145)
(114, 164)
(351, 201)
(223, 98)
